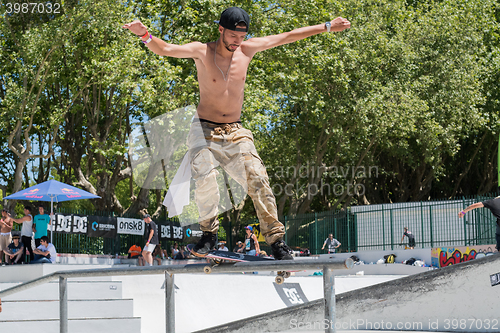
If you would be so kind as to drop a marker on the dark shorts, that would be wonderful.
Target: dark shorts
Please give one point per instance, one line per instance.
(411, 242)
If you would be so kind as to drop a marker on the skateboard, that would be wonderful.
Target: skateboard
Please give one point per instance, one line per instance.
(225, 257)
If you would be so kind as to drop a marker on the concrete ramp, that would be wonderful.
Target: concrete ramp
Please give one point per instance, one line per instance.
(455, 298)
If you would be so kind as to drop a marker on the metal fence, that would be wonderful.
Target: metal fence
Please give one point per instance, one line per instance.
(358, 228)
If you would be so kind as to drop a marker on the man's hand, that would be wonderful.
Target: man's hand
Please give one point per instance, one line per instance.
(136, 27)
(340, 24)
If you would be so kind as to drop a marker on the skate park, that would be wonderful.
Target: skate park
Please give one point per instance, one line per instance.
(391, 297)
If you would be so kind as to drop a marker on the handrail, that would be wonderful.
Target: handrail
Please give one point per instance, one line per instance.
(327, 265)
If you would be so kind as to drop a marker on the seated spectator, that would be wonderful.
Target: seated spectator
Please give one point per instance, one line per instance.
(134, 252)
(141, 261)
(185, 251)
(158, 254)
(176, 252)
(239, 247)
(14, 251)
(45, 253)
(222, 246)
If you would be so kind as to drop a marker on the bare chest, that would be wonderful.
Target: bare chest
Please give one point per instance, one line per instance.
(218, 75)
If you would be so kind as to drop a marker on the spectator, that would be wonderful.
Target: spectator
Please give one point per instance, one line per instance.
(175, 250)
(26, 231)
(411, 238)
(141, 261)
(185, 251)
(41, 221)
(222, 246)
(151, 235)
(157, 254)
(239, 247)
(251, 243)
(134, 252)
(5, 234)
(15, 250)
(331, 243)
(178, 254)
(45, 253)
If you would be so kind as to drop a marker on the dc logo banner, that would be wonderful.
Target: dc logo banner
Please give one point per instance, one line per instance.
(291, 294)
(165, 231)
(79, 224)
(63, 223)
(74, 224)
(495, 279)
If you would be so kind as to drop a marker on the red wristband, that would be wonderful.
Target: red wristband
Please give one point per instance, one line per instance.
(146, 34)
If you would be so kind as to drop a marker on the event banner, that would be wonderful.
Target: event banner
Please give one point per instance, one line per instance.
(101, 226)
(130, 226)
(109, 227)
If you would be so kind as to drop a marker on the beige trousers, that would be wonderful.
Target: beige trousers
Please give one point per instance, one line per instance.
(230, 146)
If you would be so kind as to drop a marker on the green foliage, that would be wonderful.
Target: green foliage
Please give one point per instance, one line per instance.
(411, 89)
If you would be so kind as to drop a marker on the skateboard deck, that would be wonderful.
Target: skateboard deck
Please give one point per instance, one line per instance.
(217, 258)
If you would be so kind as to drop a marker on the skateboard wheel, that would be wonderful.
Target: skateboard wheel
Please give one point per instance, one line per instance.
(207, 269)
(286, 275)
(279, 279)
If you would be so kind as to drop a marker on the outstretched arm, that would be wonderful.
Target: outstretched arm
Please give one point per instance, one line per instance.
(158, 46)
(471, 207)
(21, 220)
(257, 44)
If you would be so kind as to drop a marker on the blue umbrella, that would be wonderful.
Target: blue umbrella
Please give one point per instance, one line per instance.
(52, 190)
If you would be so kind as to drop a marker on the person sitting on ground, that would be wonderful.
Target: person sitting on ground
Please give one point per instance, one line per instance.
(175, 251)
(158, 254)
(45, 253)
(222, 246)
(134, 252)
(185, 251)
(239, 247)
(14, 251)
(141, 261)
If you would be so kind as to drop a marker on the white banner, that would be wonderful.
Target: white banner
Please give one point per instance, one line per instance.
(130, 226)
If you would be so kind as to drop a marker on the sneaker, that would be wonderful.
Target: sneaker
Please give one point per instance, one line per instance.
(205, 244)
(281, 251)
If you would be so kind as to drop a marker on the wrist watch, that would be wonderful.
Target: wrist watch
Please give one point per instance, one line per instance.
(328, 25)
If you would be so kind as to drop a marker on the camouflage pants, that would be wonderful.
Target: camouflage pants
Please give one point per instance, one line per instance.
(231, 147)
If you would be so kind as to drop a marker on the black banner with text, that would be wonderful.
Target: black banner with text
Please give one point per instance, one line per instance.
(109, 227)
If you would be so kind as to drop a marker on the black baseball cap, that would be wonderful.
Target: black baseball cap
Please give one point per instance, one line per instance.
(230, 18)
(146, 216)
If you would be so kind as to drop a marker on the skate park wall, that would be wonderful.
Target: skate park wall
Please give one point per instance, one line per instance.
(458, 298)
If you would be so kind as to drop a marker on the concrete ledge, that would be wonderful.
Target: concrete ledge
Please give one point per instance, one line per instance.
(83, 309)
(100, 325)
